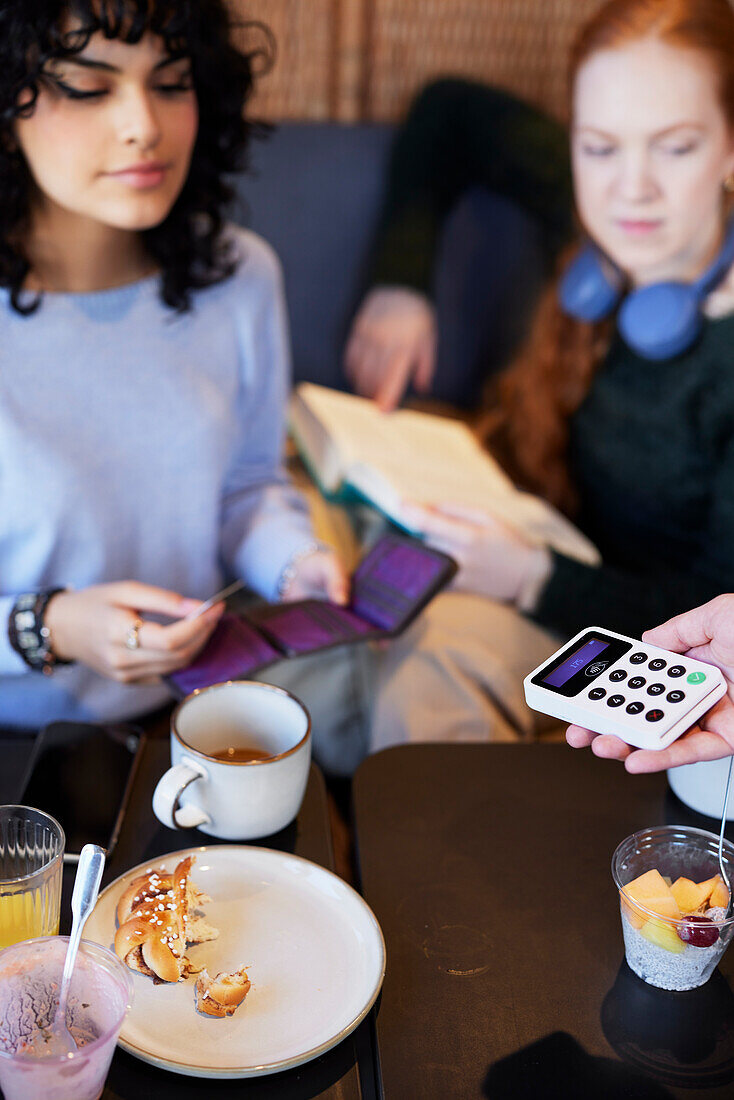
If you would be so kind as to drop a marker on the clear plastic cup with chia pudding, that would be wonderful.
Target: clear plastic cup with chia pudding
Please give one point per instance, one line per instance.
(673, 904)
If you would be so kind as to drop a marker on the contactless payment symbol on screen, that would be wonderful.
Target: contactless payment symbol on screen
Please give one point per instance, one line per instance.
(595, 668)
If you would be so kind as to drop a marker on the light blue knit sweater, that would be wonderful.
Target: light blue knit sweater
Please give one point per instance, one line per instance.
(139, 444)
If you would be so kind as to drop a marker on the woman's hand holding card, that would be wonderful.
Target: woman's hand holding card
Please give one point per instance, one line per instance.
(102, 626)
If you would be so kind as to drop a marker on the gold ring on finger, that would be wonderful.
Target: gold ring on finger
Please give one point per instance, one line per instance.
(132, 640)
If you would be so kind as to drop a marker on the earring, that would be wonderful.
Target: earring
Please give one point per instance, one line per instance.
(729, 182)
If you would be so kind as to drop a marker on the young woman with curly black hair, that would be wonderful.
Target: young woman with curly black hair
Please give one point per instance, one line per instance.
(143, 357)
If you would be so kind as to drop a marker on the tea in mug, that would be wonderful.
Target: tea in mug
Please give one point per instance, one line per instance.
(243, 754)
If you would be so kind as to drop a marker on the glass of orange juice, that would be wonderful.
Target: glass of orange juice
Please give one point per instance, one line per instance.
(31, 864)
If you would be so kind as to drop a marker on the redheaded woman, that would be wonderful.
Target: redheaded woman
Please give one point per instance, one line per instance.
(620, 408)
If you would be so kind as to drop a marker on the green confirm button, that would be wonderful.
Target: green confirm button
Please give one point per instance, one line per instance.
(696, 677)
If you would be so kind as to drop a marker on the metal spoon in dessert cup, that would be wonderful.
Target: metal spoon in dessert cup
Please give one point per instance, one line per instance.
(722, 868)
(58, 1038)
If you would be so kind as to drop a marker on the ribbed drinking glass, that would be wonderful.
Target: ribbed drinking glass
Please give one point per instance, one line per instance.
(31, 864)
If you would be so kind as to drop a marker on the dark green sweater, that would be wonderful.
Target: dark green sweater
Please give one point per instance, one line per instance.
(652, 446)
(652, 456)
(460, 135)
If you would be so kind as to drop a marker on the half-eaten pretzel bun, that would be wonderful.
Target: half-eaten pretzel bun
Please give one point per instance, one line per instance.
(157, 923)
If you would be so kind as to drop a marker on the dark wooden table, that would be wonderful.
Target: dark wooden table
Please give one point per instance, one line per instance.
(344, 1073)
(488, 867)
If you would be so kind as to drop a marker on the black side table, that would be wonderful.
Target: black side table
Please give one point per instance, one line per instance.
(488, 867)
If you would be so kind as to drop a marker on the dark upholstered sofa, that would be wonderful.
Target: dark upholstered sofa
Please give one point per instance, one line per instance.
(314, 192)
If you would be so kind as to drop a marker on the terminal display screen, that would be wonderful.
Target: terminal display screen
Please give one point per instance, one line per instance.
(578, 661)
(572, 670)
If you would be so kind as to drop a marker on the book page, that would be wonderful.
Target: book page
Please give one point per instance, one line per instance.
(425, 458)
(432, 459)
(408, 456)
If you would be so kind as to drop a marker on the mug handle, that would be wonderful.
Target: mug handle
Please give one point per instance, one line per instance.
(167, 796)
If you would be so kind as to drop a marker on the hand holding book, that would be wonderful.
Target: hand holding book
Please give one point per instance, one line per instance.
(494, 560)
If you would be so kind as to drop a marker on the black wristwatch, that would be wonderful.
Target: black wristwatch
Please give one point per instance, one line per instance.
(28, 634)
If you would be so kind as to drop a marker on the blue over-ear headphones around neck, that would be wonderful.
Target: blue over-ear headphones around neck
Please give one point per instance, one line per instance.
(657, 321)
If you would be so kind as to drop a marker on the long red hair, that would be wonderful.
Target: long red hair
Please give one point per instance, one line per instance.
(527, 423)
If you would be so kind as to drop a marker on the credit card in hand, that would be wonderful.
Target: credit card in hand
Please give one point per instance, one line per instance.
(221, 595)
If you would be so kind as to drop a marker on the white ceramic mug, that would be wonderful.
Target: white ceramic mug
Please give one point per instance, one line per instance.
(701, 786)
(230, 799)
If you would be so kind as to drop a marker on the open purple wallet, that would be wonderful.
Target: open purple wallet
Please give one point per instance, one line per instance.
(392, 584)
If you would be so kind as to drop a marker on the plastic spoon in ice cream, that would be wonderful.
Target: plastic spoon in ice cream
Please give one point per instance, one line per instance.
(722, 868)
(83, 899)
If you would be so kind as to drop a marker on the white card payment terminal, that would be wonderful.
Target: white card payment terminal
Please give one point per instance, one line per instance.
(609, 683)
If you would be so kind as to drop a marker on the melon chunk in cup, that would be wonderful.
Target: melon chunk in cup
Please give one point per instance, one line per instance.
(693, 897)
(662, 935)
(719, 894)
(690, 895)
(653, 894)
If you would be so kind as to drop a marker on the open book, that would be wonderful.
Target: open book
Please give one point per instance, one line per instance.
(388, 458)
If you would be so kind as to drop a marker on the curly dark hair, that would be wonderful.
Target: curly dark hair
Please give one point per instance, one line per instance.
(188, 245)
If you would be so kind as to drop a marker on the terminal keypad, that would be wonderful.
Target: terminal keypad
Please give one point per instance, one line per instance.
(638, 687)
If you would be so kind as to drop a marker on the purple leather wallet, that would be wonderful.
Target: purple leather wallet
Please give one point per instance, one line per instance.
(392, 584)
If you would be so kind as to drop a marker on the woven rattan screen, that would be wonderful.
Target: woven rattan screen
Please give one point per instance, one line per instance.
(365, 59)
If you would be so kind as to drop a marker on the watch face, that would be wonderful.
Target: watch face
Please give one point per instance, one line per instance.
(26, 630)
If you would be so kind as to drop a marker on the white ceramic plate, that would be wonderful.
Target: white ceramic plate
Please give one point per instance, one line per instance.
(314, 953)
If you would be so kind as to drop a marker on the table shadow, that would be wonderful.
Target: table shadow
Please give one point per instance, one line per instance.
(130, 1076)
(682, 1039)
(557, 1067)
(164, 840)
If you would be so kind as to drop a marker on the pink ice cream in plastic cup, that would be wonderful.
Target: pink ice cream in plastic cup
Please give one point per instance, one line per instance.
(99, 999)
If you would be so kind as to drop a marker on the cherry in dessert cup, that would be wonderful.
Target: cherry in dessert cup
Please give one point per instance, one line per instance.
(99, 998)
(673, 904)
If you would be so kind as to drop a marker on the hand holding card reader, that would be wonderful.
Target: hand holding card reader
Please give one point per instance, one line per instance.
(609, 683)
